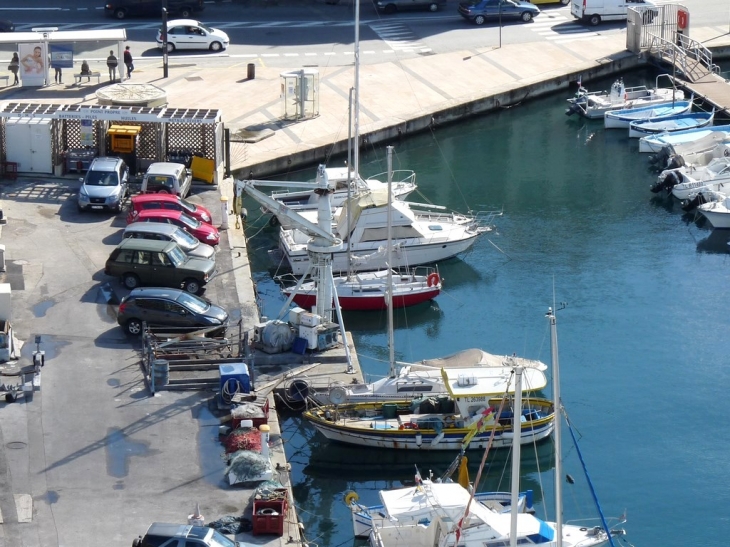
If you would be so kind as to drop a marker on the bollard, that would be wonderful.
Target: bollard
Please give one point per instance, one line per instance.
(224, 212)
(251, 74)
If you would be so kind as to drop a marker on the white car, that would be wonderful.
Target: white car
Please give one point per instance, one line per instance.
(191, 34)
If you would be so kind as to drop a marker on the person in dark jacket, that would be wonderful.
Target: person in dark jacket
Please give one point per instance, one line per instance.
(14, 66)
(112, 63)
(128, 62)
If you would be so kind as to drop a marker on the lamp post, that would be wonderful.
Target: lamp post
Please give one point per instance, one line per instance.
(500, 24)
(164, 38)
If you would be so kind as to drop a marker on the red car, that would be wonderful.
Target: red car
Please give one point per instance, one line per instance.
(204, 232)
(167, 202)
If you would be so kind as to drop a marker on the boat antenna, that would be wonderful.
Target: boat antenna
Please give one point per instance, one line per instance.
(389, 288)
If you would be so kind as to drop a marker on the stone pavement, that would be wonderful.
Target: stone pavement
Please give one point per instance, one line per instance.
(396, 97)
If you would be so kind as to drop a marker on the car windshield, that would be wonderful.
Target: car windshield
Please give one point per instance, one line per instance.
(101, 178)
(219, 540)
(190, 222)
(192, 302)
(187, 206)
(184, 239)
(177, 256)
(205, 27)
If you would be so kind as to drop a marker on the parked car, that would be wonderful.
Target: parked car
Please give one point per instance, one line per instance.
(392, 6)
(145, 202)
(159, 263)
(167, 178)
(129, 8)
(205, 233)
(105, 185)
(479, 11)
(169, 232)
(191, 34)
(160, 534)
(164, 307)
(6, 25)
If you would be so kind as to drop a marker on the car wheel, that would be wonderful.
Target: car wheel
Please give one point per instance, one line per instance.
(192, 286)
(479, 20)
(170, 47)
(134, 327)
(130, 281)
(390, 9)
(526, 17)
(594, 20)
(433, 7)
(185, 13)
(216, 46)
(120, 14)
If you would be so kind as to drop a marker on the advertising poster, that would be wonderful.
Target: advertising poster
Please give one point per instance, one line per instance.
(87, 133)
(61, 56)
(32, 65)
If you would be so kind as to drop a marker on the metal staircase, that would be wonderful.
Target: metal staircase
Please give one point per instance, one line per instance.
(689, 57)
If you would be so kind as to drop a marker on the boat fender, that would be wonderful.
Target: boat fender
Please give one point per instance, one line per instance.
(433, 279)
(351, 497)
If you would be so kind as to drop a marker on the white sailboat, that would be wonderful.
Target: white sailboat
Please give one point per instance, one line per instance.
(448, 515)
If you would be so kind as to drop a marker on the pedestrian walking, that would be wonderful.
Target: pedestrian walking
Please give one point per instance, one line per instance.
(112, 63)
(128, 62)
(14, 66)
(58, 75)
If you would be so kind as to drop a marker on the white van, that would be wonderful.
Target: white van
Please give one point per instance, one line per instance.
(595, 11)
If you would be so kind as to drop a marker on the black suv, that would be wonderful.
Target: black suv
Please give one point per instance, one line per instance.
(124, 8)
(162, 307)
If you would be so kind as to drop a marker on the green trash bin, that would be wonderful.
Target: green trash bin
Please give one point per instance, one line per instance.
(390, 410)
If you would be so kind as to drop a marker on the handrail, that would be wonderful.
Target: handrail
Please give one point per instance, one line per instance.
(680, 53)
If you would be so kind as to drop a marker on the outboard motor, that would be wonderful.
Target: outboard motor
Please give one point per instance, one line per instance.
(693, 202)
(674, 161)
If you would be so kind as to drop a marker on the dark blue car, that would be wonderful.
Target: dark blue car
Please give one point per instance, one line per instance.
(479, 11)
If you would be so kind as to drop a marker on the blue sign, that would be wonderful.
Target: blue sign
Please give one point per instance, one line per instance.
(61, 56)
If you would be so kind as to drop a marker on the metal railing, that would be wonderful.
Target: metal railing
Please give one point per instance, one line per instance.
(689, 56)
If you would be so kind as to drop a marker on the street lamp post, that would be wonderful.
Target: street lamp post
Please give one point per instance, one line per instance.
(164, 39)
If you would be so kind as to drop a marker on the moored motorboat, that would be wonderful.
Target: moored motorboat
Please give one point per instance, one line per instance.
(621, 118)
(670, 124)
(420, 236)
(683, 182)
(595, 104)
(717, 213)
(654, 143)
(699, 152)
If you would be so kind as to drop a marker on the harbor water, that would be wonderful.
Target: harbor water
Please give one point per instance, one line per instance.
(643, 338)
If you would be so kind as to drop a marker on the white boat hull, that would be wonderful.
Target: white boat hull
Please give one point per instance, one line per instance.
(654, 143)
(717, 214)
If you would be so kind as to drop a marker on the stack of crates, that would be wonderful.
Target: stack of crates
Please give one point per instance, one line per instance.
(269, 514)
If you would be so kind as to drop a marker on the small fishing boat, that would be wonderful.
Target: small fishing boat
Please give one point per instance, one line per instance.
(470, 415)
(595, 104)
(699, 152)
(670, 124)
(654, 143)
(621, 118)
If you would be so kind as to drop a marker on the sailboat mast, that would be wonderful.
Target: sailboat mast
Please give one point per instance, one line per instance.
(516, 456)
(389, 288)
(350, 148)
(356, 101)
(557, 434)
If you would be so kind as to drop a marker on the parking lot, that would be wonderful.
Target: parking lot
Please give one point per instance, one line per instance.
(93, 458)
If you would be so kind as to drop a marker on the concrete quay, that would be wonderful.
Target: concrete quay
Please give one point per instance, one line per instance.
(93, 458)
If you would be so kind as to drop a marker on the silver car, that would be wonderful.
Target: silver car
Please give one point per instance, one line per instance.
(105, 185)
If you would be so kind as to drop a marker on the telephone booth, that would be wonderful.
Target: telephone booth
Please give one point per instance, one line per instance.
(300, 94)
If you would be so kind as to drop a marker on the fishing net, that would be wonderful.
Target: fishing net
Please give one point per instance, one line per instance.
(232, 525)
(243, 439)
(247, 466)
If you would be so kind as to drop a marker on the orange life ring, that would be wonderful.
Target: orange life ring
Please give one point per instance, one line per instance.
(433, 279)
(401, 427)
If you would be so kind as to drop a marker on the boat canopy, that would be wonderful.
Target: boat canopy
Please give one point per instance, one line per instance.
(482, 383)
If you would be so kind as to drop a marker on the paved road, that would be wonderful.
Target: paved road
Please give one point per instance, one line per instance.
(295, 34)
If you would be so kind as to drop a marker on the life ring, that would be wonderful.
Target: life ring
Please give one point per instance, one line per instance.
(267, 511)
(433, 279)
(351, 497)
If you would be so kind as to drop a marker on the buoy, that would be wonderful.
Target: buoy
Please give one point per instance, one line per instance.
(351, 497)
